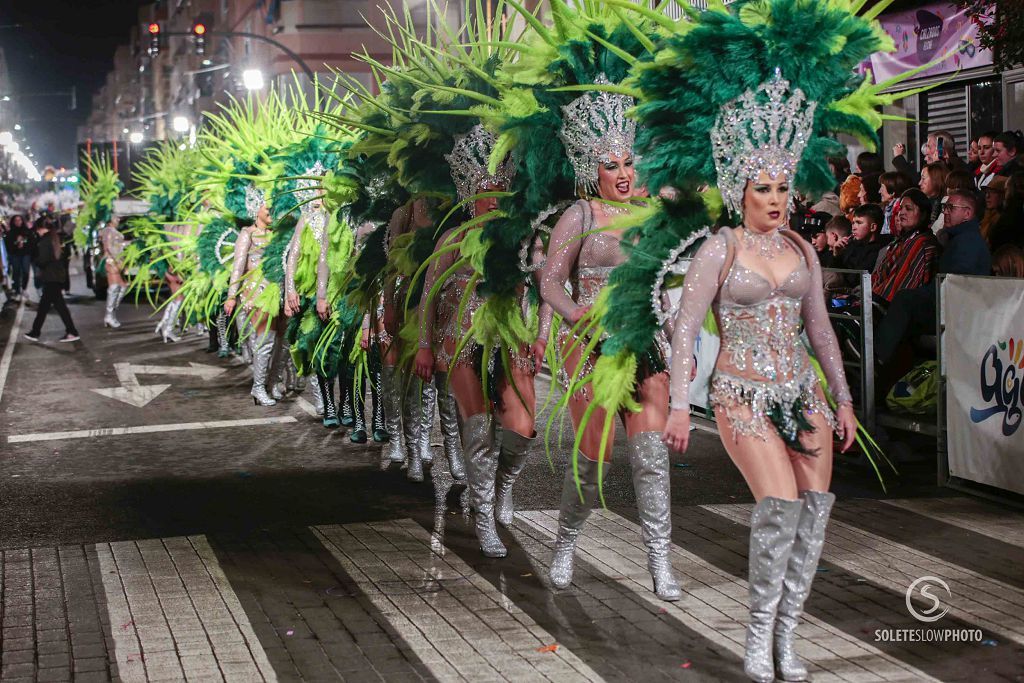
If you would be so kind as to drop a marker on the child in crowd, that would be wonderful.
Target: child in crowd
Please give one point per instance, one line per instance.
(862, 253)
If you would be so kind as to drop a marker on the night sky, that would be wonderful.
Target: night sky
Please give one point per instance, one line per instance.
(58, 45)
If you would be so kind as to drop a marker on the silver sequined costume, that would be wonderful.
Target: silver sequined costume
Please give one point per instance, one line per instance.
(584, 260)
(763, 364)
(248, 254)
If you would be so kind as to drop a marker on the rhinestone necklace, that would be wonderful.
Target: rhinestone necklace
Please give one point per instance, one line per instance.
(768, 245)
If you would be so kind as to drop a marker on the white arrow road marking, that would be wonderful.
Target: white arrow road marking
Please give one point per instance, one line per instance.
(139, 395)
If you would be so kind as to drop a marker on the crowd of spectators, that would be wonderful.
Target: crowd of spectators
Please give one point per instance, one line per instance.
(19, 238)
(905, 226)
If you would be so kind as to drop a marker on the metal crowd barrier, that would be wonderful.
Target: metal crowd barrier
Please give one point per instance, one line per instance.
(864, 368)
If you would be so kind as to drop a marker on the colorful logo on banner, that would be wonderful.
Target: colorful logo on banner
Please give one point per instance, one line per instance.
(1001, 385)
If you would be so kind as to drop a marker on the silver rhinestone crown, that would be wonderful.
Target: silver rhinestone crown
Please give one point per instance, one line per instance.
(468, 161)
(254, 200)
(309, 188)
(595, 129)
(761, 130)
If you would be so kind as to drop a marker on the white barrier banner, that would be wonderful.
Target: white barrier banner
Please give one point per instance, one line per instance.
(983, 351)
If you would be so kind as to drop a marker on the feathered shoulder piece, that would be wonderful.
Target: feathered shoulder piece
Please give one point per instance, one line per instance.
(98, 190)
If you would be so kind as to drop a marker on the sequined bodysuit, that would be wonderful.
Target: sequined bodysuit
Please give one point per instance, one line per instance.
(584, 260)
(248, 255)
(112, 241)
(316, 221)
(763, 367)
(440, 326)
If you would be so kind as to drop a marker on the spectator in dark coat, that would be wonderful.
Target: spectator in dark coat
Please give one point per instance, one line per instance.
(49, 261)
(912, 311)
(20, 242)
(1009, 229)
(862, 253)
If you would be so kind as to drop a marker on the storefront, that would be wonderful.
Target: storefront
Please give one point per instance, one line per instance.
(968, 97)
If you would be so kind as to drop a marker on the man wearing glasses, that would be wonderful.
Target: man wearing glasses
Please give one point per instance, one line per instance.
(912, 312)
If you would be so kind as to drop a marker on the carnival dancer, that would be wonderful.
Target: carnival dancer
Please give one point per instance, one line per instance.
(448, 352)
(247, 282)
(97, 224)
(113, 242)
(758, 129)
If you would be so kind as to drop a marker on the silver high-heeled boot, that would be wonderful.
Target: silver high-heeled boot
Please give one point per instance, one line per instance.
(113, 299)
(448, 412)
(772, 530)
(511, 462)
(428, 410)
(803, 564)
(412, 418)
(261, 358)
(277, 385)
(318, 398)
(170, 320)
(391, 394)
(572, 513)
(648, 456)
(481, 466)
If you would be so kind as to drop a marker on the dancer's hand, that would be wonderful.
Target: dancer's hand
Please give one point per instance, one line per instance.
(322, 309)
(424, 365)
(229, 306)
(578, 314)
(677, 431)
(364, 341)
(291, 304)
(847, 429)
(538, 350)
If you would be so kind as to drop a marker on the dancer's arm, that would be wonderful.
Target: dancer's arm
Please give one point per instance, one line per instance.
(291, 297)
(428, 309)
(238, 267)
(563, 251)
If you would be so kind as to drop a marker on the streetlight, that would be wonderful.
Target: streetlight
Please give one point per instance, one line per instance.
(252, 79)
(6, 98)
(17, 126)
(6, 138)
(135, 138)
(181, 124)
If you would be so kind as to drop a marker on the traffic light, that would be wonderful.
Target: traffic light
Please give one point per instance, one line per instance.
(154, 39)
(201, 27)
(199, 37)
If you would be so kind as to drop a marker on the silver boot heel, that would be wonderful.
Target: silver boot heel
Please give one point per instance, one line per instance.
(450, 432)
(572, 513)
(772, 530)
(803, 564)
(481, 466)
(514, 453)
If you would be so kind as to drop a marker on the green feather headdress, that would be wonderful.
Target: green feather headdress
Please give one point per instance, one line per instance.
(98, 191)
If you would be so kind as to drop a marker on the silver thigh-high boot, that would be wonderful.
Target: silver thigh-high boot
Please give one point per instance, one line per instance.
(514, 447)
(281, 355)
(481, 466)
(428, 409)
(113, 299)
(803, 563)
(448, 412)
(391, 395)
(412, 418)
(318, 398)
(379, 426)
(572, 513)
(772, 530)
(648, 456)
(262, 356)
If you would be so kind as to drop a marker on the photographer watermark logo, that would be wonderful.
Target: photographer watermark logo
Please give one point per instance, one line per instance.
(935, 595)
(925, 586)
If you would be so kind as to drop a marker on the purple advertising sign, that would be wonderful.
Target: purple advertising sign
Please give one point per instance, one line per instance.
(925, 34)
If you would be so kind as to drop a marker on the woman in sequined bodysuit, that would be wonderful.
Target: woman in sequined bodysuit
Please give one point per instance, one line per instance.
(112, 242)
(491, 471)
(774, 421)
(247, 283)
(583, 252)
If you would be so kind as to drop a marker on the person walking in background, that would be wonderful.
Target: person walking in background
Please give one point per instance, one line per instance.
(19, 241)
(48, 259)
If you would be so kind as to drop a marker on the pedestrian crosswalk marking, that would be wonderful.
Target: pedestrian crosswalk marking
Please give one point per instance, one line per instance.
(458, 624)
(714, 602)
(979, 600)
(173, 614)
(12, 339)
(969, 514)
